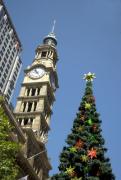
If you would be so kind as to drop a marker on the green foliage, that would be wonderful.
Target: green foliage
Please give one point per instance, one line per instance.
(2, 98)
(84, 156)
(8, 150)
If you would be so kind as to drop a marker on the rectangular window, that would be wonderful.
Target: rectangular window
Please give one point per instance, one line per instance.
(6, 40)
(5, 45)
(33, 92)
(11, 43)
(9, 47)
(8, 66)
(2, 37)
(3, 80)
(14, 49)
(5, 75)
(14, 78)
(1, 53)
(11, 58)
(8, 36)
(3, 64)
(7, 97)
(3, 32)
(16, 69)
(5, 60)
(12, 82)
(44, 53)
(6, 70)
(15, 73)
(8, 51)
(1, 68)
(6, 55)
(10, 62)
(12, 53)
(1, 85)
(3, 48)
(1, 26)
(11, 86)
(5, 29)
(7, 23)
(29, 106)
(38, 91)
(26, 121)
(9, 92)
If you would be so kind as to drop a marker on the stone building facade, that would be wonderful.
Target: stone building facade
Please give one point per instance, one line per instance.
(34, 107)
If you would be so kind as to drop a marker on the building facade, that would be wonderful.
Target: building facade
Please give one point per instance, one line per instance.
(10, 49)
(26, 169)
(34, 104)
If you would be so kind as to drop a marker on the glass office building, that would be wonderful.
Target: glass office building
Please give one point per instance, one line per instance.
(10, 49)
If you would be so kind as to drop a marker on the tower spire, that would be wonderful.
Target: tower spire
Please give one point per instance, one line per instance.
(53, 27)
(50, 39)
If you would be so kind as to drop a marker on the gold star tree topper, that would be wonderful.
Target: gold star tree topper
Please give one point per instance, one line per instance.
(89, 77)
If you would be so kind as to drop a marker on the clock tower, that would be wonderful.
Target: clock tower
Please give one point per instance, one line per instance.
(34, 104)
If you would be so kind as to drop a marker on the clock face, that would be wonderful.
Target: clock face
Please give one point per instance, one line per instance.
(36, 73)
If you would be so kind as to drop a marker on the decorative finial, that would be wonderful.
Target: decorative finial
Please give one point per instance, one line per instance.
(89, 77)
(53, 27)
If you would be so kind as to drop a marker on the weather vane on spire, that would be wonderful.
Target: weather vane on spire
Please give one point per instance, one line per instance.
(89, 77)
(53, 27)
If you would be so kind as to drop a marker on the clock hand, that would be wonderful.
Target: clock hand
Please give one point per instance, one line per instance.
(36, 71)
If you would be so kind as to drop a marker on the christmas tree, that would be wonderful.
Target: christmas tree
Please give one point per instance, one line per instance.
(84, 156)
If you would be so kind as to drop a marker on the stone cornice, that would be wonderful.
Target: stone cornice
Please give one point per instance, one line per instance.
(33, 98)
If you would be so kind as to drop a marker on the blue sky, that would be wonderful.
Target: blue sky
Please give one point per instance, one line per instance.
(89, 39)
